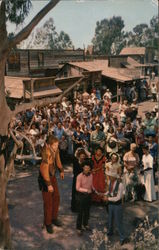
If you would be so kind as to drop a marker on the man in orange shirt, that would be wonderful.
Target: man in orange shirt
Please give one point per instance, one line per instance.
(51, 198)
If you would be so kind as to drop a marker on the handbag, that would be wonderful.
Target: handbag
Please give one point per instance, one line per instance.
(42, 184)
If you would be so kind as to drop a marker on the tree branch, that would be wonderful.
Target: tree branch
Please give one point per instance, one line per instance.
(44, 101)
(24, 33)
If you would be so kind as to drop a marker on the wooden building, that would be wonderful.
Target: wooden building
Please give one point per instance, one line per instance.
(123, 61)
(140, 54)
(26, 89)
(37, 63)
(101, 75)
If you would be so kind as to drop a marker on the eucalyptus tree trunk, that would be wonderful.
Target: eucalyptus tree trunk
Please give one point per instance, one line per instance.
(5, 237)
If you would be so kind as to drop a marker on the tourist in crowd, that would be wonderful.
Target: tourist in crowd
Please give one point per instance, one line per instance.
(77, 138)
(63, 149)
(131, 163)
(154, 92)
(98, 172)
(114, 197)
(153, 149)
(148, 179)
(84, 188)
(97, 137)
(114, 164)
(78, 159)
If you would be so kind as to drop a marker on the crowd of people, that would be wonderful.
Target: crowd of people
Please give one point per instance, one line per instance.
(122, 146)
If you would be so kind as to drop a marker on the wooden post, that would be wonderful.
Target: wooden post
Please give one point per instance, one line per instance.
(24, 93)
(32, 89)
(117, 92)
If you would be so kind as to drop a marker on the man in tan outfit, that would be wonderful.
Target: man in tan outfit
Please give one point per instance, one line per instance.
(51, 198)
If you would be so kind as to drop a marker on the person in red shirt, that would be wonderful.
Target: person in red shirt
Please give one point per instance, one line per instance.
(98, 173)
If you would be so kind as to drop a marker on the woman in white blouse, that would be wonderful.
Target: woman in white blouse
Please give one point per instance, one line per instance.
(147, 178)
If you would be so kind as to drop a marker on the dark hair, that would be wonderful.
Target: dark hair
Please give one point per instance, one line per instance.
(115, 155)
(111, 143)
(81, 151)
(87, 162)
(99, 148)
(146, 147)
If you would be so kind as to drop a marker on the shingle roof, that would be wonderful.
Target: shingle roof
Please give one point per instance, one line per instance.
(133, 51)
(117, 74)
(122, 74)
(91, 65)
(14, 86)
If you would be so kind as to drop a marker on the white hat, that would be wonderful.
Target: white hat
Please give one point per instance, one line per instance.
(43, 121)
(98, 124)
(112, 172)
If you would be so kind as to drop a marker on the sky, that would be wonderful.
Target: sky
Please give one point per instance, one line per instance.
(78, 17)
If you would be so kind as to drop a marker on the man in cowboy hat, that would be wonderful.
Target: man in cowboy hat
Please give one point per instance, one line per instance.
(114, 199)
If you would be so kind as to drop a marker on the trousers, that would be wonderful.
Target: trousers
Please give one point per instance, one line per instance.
(116, 215)
(51, 203)
(83, 202)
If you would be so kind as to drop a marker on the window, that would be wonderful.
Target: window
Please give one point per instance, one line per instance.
(65, 74)
(40, 59)
(14, 62)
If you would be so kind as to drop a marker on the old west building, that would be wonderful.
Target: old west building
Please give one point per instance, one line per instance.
(146, 56)
(140, 54)
(30, 63)
(113, 72)
(31, 73)
(102, 74)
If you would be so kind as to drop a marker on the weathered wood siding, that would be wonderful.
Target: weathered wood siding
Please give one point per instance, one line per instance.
(50, 59)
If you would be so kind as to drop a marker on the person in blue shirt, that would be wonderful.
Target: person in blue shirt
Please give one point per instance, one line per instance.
(59, 131)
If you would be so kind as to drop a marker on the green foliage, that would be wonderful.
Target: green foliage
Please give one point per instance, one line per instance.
(46, 37)
(107, 30)
(63, 41)
(17, 10)
(144, 35)
(139, 29)
(111, 39)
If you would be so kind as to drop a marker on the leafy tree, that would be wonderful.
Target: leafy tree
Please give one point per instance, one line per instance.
(106, 31)
(143, 34)
(14, 12)
(46, 37)
(63, 42)
(140, 28)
